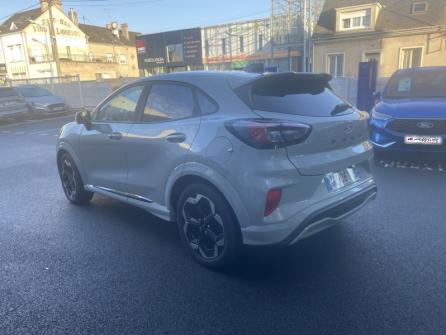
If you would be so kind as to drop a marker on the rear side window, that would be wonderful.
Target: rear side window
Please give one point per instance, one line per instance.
(7, 92)
(167, 102)
(207, 105)
(305, 96)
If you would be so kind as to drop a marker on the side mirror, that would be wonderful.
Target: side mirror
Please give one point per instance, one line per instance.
(83, 117)
(377, 96)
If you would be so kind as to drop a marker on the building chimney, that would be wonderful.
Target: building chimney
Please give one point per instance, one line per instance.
(72, 15)
(125, 31)
(44, 4)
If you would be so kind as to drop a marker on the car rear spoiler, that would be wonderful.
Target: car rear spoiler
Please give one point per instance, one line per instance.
(282, 84)
(317, 78)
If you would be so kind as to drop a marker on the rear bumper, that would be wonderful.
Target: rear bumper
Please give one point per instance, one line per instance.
(314, 218)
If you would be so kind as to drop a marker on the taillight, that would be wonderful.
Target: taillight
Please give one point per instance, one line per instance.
(272, 201)
(268, 133)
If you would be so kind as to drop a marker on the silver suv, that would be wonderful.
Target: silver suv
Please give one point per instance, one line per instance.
(233, 158)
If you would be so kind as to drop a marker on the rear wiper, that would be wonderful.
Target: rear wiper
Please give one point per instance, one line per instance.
(340, 108)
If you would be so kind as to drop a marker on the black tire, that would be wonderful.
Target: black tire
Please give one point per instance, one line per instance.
(212, 237)
(72, 182)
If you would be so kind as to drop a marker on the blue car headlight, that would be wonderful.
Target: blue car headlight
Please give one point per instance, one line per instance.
(379, 116)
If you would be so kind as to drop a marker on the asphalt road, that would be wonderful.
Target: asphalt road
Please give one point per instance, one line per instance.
(113, 269)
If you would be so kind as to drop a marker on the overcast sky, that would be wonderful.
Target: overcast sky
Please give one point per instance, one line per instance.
(148, 16)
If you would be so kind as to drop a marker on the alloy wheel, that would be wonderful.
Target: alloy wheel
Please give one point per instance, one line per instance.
(68, 179)
(203, 227)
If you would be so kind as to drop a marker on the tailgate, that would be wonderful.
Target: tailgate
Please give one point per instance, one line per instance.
(339, 136)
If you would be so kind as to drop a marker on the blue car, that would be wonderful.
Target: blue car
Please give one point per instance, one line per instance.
(410, 115)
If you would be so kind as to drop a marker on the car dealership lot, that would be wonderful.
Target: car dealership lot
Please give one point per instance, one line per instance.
(111, 268)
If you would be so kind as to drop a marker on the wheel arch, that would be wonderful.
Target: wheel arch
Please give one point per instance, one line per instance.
(198, 173)
(65, 148)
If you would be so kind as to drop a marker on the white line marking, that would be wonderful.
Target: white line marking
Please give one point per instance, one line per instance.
(24, 123)
(43, 131)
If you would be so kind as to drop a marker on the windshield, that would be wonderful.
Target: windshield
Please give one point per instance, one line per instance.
(34, 91)
(430, 84)
(7, 92)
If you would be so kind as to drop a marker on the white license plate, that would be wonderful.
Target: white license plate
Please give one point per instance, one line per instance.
(337, 180)
(423, 140)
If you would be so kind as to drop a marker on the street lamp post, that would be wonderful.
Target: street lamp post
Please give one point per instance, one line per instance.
(47, 49)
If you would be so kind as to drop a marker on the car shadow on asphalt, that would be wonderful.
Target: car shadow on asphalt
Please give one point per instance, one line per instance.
(310, 257)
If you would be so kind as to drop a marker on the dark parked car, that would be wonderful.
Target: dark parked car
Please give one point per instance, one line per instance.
(42, 102)
(411, 113)
(12, 104)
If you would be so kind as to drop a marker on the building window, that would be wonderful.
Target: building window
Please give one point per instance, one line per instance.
(356, 20)
(419, 7)
(223, 46)
(68, 52)
(411, 57)
(335, 65)
(372, 56)
(15, 53)
(242, 44)
(174, 53)
(260, 42)
(109, 58)
(122, 59)
(206, 47)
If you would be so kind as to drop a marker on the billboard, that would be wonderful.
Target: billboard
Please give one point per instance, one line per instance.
(170, 49)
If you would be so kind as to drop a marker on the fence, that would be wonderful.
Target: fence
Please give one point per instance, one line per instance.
(347, 88)
(77, 94)
(87, 94)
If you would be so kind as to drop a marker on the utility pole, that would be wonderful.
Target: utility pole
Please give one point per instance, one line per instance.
(272, 32)
(305, 18)
(53, 37)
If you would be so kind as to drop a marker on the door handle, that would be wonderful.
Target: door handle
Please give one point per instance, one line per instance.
(176, 138)
(115, 136)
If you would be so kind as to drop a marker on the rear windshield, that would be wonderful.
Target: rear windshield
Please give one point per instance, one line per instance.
(429, 84)
(291, 95)
(7, 92)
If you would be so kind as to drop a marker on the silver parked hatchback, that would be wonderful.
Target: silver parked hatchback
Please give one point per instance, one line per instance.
(233, 158)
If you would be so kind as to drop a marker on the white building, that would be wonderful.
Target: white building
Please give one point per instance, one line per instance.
(89, 52)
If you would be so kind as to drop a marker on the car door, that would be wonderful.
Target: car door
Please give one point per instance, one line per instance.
(161, 139)
(102, 144)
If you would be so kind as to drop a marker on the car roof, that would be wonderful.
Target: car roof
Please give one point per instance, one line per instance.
(201, 78)
(423, 69)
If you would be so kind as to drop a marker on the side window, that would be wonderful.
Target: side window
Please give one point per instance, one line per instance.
(168, 102)
(207, 105)
(122, 107)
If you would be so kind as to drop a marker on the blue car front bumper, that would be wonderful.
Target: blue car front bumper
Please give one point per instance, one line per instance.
(384, 139)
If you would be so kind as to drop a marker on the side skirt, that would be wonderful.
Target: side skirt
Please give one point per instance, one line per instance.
(133, 199)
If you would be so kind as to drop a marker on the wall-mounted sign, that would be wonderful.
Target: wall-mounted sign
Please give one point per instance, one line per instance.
(171, 49)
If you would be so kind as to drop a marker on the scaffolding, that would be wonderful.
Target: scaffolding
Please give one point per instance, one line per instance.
(288, 28)
(232, 45)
